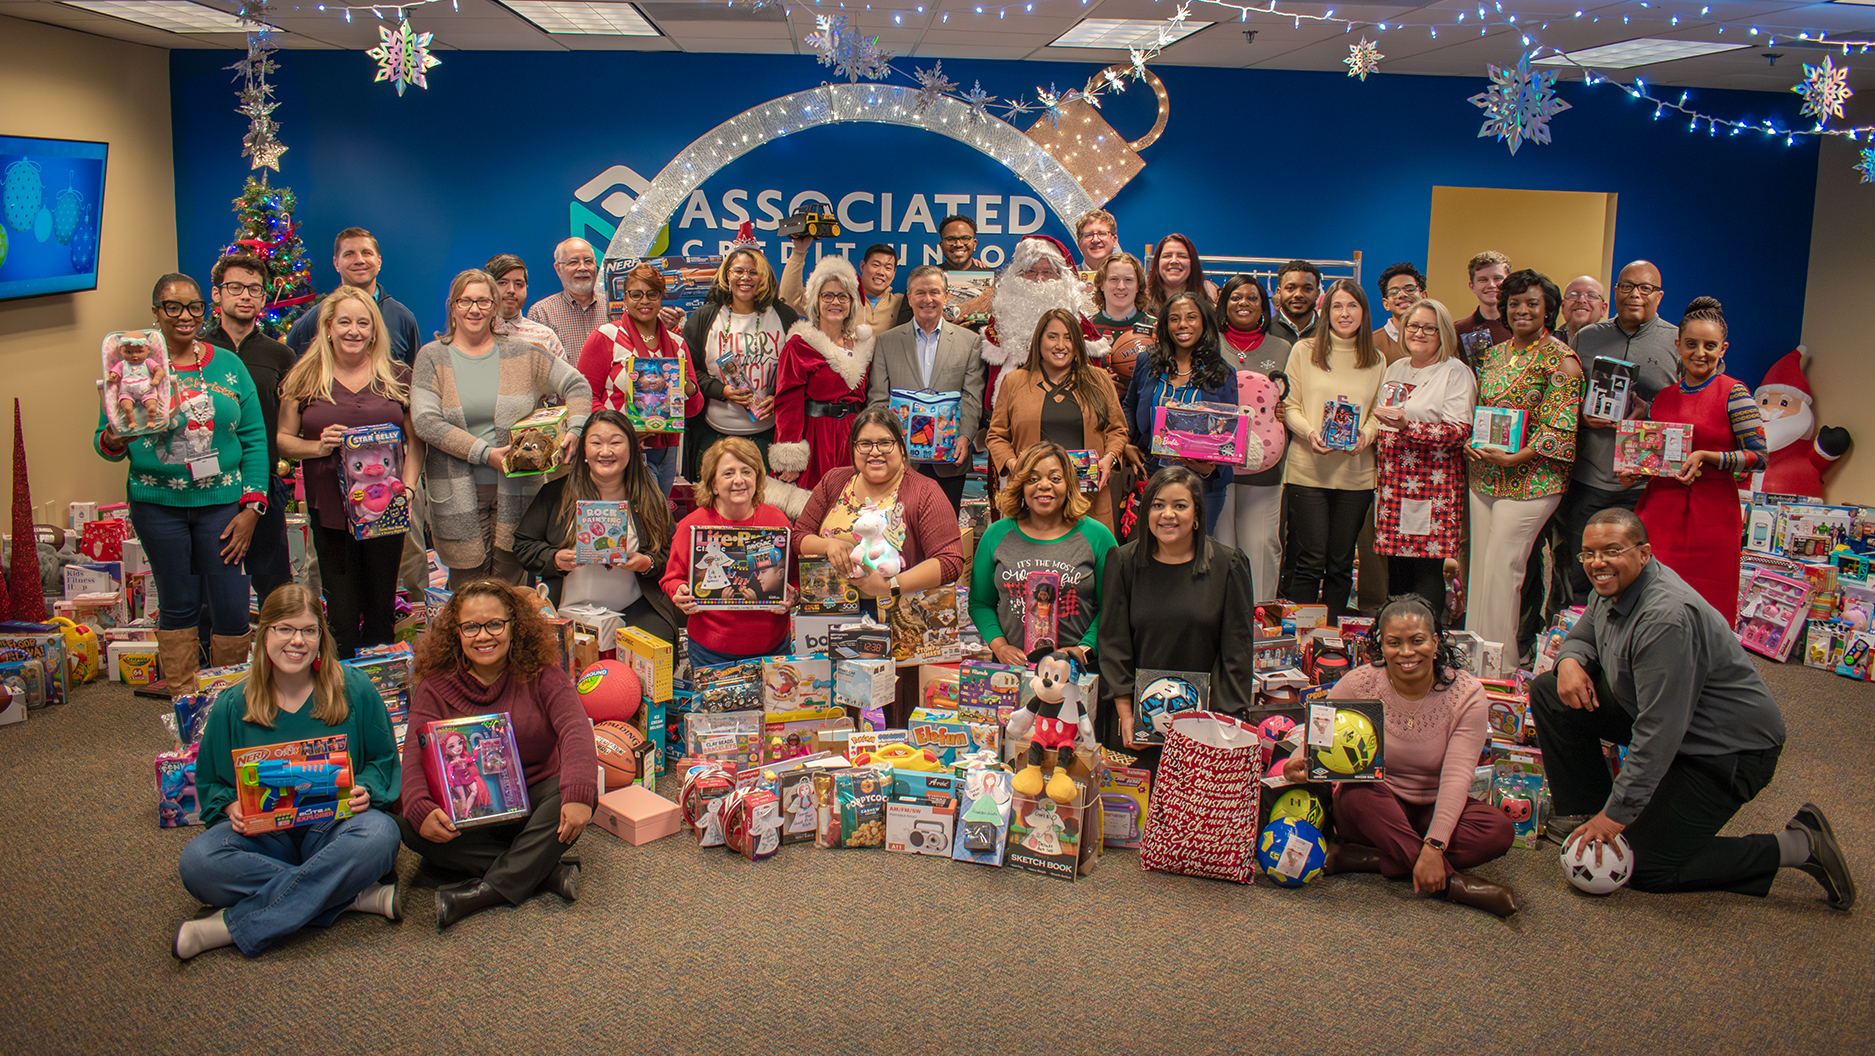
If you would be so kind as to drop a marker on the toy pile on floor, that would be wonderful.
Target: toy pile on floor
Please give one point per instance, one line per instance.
(1806, 584)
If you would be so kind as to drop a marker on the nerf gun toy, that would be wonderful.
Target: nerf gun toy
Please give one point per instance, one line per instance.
(308, 782)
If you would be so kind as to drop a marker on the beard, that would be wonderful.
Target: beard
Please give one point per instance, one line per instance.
(1780, 433)
(1018, 304)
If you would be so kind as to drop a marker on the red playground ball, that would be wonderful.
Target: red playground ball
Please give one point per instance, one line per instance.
(609, 692)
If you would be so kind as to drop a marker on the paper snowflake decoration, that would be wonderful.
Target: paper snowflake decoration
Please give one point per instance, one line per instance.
(403, 56)
(1867, 165)
(1115, 80)
(1518, 105)
(979, 101)
(1014, 108)
(1824, 89)
(932, 85)
(851, 55)
(1363, 59)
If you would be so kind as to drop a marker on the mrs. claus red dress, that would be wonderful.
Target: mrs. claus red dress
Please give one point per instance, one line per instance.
(811, 440)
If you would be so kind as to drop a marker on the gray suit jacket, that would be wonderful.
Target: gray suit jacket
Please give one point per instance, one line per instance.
(958, 367)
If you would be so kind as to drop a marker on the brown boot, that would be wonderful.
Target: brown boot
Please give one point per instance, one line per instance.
(180, 654)
(1351, 858)
(231, 649)
(1495, 899)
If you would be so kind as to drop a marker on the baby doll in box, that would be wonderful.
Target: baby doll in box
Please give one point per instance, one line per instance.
(138, 388)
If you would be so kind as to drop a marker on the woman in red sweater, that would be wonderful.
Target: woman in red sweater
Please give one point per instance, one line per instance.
(607, 361)
(490, 651)
(730, 489)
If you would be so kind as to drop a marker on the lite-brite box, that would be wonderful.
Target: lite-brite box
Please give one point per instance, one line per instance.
(738, 568)
(534, 443)
(1652, 449)
(1346, 740)
(823, 591)
(1086, 468)
(1211, 432)
(949, 738)
(988, 692)
(790, 683)
(654, 390)
(637, 815)
(371, 476)
(1158, 696)
(932, 421)
(280, 786)
(651, 659)
(982, 834)
(1341, 424)
(1125, 800)
(1498, 428)
(176, 801)
(474, 769)
(731, 739)
(605, 534)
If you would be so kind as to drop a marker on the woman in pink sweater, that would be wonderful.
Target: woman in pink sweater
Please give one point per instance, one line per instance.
(490, 651)
(1420, 821)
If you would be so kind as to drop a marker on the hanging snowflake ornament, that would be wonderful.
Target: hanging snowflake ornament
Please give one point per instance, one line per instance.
(851, 55)
(932, 85)
(1824, 89)
(1518, 105)
(1050, 102)
(978, 101)
(403, 57)
(1867, 165)
(1014, 108)
(1363, 59)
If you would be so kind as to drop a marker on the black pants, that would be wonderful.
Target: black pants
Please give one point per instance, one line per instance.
(359, 580)
(1580, 503)
(514, 858)
(1544, 596)
(1424, 576)
(1675, 839)
(1323, 526)
(268, 562)
(953, 488)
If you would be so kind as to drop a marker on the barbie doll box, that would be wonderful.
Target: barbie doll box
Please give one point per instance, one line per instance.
(637, 815)
(1211, 432)
(1652, 449)
(280, 786)
(474, 769)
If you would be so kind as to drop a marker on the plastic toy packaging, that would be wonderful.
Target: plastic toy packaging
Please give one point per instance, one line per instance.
(1086, 468)
(1498, 428)
(1345, 740)
(280, 786)
(983, 817)
(1159, 696)
(1517, 790)
(1041, 610)
(474, 769)
(1341, 424)
(852, 808)
(932, 421)
(738, 568)
(1652, 449)
(1610, 382)
(800, 807)
(371, 468)
(752, 823)
(1771, 614)
(823, 591)
(656, 395)
(1210, 432)
(534, 443)
(731, 740)
(605, 533)
(177, 803)
(139, 392)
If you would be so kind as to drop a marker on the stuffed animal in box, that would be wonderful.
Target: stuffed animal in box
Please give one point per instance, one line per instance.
(1054, 718)
(531, 451)
(371, 482)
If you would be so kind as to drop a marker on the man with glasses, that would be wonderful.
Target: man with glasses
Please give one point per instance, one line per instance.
(355, 257)
(1584, 302)
(957, 235)
(1298, 287)
(1097, 234)
(1653, 667)
(1401, 286)
(880, 309)
(239, 286)
(929, 353)
(510, 275)
(577, 310)
(1484, 275)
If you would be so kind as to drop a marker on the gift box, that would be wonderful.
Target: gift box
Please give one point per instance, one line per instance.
(637, 815)
(651, 659)
(1341, 424)
(1609, 388)
(103, 540)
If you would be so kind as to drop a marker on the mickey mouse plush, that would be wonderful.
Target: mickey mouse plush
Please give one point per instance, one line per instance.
(1057, 718)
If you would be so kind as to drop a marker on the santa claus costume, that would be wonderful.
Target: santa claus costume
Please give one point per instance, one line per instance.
(820, 383)
(1017, 304)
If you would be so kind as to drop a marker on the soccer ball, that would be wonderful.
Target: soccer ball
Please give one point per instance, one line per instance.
(1276, 839)
(1276, 727)
(1356, 741)
(1579, 868)
(1300, 804)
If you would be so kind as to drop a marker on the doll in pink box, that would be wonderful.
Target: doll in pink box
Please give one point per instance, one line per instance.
(135, 376)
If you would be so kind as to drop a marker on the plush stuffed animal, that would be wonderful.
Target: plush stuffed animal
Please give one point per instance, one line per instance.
(371, 482)
(531, 451)
(1053, 718)
(873, 552)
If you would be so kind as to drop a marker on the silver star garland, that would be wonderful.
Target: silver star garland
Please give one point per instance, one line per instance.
(1363, 59)
(1824, 89)
(932, 85)
(851, 55)
(1016, 108)
(1050, 102)
(1518, 105)
(403, 57)
(261, 144)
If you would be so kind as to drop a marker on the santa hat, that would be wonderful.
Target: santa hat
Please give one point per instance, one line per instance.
(1786, 376)
(1061, 247)
(831, 266)
(745, 237)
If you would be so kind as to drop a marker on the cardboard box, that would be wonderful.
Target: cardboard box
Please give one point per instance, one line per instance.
(652, 660)
(920, 826)
(92, 577)
(637, 815)
(793, 683)
(132, 663)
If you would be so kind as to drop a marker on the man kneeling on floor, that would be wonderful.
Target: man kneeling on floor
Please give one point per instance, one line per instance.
(1651, 665)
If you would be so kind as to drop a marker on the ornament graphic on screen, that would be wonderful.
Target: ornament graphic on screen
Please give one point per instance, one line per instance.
(65, 211)
(1075, 133)
(403, 56)
(3, 247)
(1518, 105)
(85, 243)
(23, 194)
(42, 225)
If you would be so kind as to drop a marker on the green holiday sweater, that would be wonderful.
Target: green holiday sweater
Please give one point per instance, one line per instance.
(1006, 556)
(218, 413)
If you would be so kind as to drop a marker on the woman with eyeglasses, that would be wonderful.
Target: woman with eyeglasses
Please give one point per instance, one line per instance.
(607, 358)
(197, 491)
(1425, 422)
(1252, 517)
(1176, 269)
(821, 383)
(735, 344)
(731, 493)
(468, 387)
(267, 884)
(489, 650)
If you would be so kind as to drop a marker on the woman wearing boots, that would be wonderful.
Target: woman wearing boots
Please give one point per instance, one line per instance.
(1419, 822)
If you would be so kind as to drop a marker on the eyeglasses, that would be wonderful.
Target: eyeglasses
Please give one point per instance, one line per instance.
(1590, 295)
(641, 296)
(957, 240)
(467, 303)
(237, 288)
(1095, 232)
(1587, 556)
(578, 262)
(874, 446)
(287, 634)
(175, 309)
(1422, 329)
(1645, 289)
(744, 273)
(1402, 291)
(493, 627)
(836, 298)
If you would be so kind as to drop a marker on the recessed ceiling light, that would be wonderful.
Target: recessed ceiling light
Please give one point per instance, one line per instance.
(1867, 3)
(591, 18)
(1643, 52)
(176, 16)
(1113, 34)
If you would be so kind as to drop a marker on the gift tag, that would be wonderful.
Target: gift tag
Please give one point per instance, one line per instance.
(208, 465)
(1321, 725)
(1295, 857)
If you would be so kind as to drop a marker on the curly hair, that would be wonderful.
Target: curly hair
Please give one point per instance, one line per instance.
(533, 645)
(1207, 358)
(1445, 662)
(1522, 282)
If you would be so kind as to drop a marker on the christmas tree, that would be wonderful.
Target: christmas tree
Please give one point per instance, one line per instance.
(266, 229)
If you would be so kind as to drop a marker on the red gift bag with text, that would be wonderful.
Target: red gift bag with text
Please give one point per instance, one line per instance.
(1204, 810)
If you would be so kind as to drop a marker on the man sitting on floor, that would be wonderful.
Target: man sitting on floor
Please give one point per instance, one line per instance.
(1702, 731)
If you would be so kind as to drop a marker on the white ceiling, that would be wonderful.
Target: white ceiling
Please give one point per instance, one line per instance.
(713, 26)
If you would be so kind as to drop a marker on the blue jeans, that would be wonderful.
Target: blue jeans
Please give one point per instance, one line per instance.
(663, 463)
(184, 545)
(277, 883)
(705, 657)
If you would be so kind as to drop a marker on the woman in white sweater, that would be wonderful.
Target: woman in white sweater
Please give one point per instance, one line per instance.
(1329, 488)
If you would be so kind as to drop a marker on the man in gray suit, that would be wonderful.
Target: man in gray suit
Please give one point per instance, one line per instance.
(931, 354)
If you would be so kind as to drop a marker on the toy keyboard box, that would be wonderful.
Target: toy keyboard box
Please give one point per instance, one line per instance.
(605, 534)
(1652, 449)
(950, 738)
(823, 591)
(790, 683)
(982, 834)
(1210, 432)
(924, 626)
(1346, 740)
(1125, 799)
(1158, 696)
(1341, 424)
(1609, 390)
(474, 769)
(1498, 428)
(738, 568)
(727, 687)
(371, 474)
(654, 391)
(932, 421)
(177, 803)
(534, 443)
(988, 692)
(293, 783)
(730, 739)
(1086, 468)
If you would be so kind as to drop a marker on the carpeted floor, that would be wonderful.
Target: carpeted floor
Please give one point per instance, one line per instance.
(676, 950)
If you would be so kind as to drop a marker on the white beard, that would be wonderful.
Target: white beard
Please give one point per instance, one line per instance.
(1018, 304)
(1780, 433)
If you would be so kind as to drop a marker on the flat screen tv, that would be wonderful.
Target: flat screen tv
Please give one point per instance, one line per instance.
(54, 202)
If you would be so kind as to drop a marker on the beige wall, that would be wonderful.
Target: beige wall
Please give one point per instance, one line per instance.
(1559, 233)
(1836, 326)
(66, 85)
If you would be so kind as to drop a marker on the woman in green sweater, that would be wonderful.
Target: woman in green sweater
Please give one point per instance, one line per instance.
(197, 490)
(269, 884)
(1037, 574)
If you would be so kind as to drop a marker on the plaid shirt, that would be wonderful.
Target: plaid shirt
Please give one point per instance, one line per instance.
(538, 334)
(572, 323)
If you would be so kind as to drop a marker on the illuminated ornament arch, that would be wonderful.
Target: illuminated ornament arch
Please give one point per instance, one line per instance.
(841, 104)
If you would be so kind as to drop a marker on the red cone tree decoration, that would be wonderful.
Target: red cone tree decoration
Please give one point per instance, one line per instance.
(28, 591)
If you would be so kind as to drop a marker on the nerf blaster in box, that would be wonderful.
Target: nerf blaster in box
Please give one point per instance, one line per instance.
(280, 786)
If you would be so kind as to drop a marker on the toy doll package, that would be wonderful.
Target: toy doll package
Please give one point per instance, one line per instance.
(474, 769)
(606, 535)
(1087, 468)
(1041, 610)
(371, 468)
(139, 392)
(932, 422)
(1211, 432)
(1498, 428)
(1652, 449)
(738, 568)
(1771, 614)
(1341, 423)
(655, 390)
(294, 783)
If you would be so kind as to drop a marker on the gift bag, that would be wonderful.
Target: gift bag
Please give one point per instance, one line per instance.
(1204, 810)
(104, 540)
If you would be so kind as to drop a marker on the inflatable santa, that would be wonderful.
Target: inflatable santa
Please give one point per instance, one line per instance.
(1797, 462)
(1036, 279)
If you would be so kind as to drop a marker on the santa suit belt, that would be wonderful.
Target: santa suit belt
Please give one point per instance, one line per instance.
(820, 409)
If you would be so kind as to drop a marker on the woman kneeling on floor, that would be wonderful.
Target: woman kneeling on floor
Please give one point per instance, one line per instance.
(489, 650)
(271, 884)
(1420, 821)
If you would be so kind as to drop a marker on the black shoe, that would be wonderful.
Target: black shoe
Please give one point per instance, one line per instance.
(1559, 827)
(455, 901)
(563, 881)
(1826, 862)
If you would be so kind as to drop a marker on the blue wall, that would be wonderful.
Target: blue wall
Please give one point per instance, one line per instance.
(1261, 163)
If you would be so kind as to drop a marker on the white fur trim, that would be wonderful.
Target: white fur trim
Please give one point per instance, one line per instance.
(997, 355)
(791, 499)
(851, 364)
(787, 458)
(1099, 349)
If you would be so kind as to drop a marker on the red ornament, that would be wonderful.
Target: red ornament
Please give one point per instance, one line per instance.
(28, 596)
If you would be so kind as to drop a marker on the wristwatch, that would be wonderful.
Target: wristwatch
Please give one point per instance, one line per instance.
(893, 583)
(257, 505)
(1437, 845)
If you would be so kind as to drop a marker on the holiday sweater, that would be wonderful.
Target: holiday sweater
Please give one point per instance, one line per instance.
(217, 414)
(1007, 555)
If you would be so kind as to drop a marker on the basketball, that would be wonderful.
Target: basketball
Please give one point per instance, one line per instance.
(1356, 743)
(608, 690)
(1300, 804)
(1291, 852)
(1580, 869)
(619, 745)
(1124, 355)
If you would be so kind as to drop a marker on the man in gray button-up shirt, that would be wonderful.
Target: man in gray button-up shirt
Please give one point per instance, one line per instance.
(1652, 666)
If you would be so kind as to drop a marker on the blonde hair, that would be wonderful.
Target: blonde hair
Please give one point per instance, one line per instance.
(1013, 504)
(1448, 333)
(1120, 256)
(462, 281)
(328, 696)
(745, 452)
(311, 377)
(765, 292)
